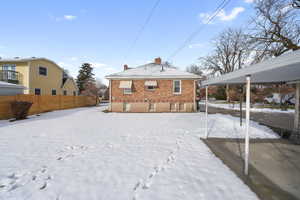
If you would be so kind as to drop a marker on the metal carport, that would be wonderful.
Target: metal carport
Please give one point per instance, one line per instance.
(282, 69)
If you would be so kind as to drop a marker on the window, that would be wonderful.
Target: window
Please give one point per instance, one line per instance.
(126, 107)
(127, 91)
(150, 88)
(151, 107)
(37, 91)
(43, 71)
(53, 92)
(74, 93)
(10, 67)
(181, 107)
(65, 92)
(177, 86)
(173, 107)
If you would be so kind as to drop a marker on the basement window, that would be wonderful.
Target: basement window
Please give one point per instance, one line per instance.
(126, 107)
(151, 107)
(181, 107)
(173, 107)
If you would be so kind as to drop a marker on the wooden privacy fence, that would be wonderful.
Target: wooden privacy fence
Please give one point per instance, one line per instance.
(44, 103)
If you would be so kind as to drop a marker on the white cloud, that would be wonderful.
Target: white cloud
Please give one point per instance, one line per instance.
(65, 17)
(222, 16)
(69, 17)
(249, 1)
(234, 13)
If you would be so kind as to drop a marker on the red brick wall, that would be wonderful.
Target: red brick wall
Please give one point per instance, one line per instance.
(163, 93)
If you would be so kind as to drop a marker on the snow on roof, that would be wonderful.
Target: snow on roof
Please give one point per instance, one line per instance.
(10, 85)
(282, 69)
(18, 59)
(153, 71)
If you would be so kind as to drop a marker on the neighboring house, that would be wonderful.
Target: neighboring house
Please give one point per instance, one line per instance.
(9, 89)
(40, 76)
(154, 87)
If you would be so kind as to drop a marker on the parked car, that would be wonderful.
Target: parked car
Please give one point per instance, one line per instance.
(286, 98)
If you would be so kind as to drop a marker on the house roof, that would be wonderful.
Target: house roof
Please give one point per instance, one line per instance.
(282, 69)
(68, 80)
(153, 71)
(10, 85)
(28, 60)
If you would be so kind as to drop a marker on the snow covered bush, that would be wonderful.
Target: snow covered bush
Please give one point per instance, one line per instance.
(20, 109)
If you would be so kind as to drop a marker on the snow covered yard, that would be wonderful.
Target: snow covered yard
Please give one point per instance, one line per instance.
(87, 154)
(236, 106)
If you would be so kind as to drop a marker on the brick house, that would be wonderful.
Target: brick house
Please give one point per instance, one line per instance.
(153, 87)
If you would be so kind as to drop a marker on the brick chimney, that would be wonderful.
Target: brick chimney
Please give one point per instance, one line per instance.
(126, 67)
(157, 61)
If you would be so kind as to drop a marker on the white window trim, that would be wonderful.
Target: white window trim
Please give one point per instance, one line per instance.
(154, 107)
(128, 91)
(179, 87)
(39, 71)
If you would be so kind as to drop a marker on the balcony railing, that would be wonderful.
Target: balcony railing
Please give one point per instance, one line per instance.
(10, 76)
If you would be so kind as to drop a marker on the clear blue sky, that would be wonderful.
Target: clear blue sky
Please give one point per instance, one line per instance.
(101, 32)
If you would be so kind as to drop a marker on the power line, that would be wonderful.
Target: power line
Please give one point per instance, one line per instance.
(223, 4)
(142, 29)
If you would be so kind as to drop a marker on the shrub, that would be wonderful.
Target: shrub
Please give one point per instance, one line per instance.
(20, 109)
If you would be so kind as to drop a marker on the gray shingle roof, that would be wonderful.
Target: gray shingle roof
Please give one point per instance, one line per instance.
(153, 71)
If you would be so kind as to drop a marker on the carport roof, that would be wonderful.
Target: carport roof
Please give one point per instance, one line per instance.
(282, 69)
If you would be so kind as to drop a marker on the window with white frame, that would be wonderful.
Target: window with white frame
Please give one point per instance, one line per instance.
(127, 91)
(42, 71)
(177, 86)
(10, 67)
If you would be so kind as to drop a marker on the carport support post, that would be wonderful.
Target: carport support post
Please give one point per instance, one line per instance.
(248, 79)
(206, 112)
(297, 109)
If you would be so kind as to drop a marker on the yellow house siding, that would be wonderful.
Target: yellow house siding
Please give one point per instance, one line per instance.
(53, 79)
(70, 86)
(23, 69)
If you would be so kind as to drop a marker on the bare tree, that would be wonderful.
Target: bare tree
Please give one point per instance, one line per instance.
(231, 53)
(102, 88)
(90, 89)
(195, 69)
(276, 28)
(296, 3)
